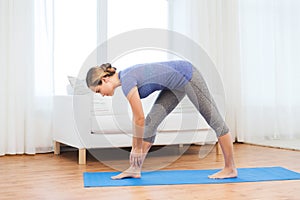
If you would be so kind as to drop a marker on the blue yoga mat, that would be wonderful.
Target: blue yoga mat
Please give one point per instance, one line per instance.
(176, 177)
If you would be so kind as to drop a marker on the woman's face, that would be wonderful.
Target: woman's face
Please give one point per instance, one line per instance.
(105, 89)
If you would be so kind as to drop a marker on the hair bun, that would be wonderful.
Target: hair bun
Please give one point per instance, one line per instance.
(107, 65)
(108, 68)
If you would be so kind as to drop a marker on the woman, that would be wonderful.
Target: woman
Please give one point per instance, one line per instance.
(174, 80)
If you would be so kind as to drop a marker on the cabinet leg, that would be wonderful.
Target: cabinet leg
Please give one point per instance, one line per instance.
(82, 157)
(56, 146)
(218, 149)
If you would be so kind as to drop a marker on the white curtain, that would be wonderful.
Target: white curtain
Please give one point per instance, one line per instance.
(213, 25)
(254, 43)
(270, 71)
(255, 46)
(25, 79)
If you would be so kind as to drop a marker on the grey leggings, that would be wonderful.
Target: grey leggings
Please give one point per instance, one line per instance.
(198, 93)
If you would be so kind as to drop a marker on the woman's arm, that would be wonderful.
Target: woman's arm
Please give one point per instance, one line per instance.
(138, 126)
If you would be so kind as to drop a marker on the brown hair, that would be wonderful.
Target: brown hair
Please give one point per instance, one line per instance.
(95, 74)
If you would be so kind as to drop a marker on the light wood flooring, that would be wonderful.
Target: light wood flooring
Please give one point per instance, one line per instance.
(49, 176)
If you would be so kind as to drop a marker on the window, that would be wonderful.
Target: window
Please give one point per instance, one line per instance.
(78, 29)
(75, 37)
(123, 16)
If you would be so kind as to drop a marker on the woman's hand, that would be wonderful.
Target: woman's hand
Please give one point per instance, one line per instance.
(136, 158)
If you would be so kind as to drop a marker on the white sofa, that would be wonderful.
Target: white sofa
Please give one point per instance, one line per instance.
(92, 121)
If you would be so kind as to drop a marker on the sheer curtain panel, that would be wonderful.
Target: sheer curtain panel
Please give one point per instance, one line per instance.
(25, 117)
(270, 99)
(214, 26)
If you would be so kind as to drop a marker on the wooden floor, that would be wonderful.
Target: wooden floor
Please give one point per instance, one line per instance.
(48, 176)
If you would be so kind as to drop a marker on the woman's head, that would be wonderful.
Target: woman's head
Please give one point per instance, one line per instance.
(98, 76)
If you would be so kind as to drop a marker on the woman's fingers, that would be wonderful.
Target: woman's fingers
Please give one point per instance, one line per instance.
(136, 159)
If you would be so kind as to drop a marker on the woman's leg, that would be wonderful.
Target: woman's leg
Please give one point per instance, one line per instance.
(229, 170)
(164, 104)
(198, 93)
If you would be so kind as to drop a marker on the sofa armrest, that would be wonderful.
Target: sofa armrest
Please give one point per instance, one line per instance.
(68, 111)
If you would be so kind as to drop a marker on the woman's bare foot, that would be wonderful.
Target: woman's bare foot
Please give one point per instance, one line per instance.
(134, 172)
(129, 173)
(225, 173)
